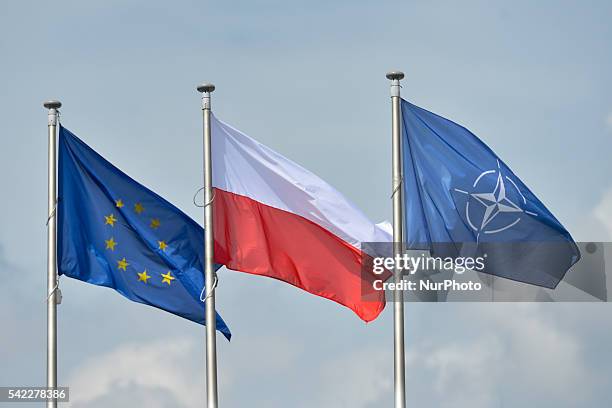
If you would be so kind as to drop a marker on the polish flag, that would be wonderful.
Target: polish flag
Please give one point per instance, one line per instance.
(272, 217)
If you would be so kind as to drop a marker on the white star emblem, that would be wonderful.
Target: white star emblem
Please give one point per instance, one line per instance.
(495, 202)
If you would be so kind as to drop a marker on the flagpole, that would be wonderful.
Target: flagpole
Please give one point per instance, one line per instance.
(209, 271)
(52, 282)
(398, 239)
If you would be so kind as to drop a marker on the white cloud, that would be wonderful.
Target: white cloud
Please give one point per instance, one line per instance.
(171, 372)
(161, 368)
(519, 351)
(466, 374)
(247, 356)
(358, 379)
(134, 394)
(544, 359)
(603, 211)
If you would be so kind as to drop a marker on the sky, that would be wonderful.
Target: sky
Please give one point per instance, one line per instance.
(532, 79)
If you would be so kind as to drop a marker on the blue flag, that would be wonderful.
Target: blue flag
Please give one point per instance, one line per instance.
(462, 200)
(114, 232)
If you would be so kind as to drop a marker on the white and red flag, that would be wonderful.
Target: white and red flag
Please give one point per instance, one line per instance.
(274, 218)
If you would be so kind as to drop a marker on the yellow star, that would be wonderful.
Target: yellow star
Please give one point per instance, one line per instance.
(143, 276)
(167, 278)
(110, 220)
(110, 243)
(155, 223)
(162, 245)
(122, 264)
(138, 208)
(119, 203)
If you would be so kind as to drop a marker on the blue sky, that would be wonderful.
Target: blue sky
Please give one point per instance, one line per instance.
(306, 78)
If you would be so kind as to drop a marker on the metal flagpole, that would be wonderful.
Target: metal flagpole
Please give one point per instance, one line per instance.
(398, 239)
(52, 281)
(209, 271)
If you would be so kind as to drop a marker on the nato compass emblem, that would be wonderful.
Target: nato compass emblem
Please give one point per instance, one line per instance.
(495, 203)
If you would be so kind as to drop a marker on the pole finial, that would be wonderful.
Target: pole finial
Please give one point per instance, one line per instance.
(395, 75)
(206, 88)
(52, 104)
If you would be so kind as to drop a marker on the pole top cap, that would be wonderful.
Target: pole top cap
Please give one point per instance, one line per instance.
(395, 75)
(52, 104)
(206, 88)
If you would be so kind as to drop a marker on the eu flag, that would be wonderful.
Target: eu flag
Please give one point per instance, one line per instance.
(114, 232)
(462, 200)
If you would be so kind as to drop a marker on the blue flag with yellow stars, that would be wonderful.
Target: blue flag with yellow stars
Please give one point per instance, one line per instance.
(114, 232)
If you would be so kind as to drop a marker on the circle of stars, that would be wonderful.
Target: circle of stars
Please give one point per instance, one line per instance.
(123, 264)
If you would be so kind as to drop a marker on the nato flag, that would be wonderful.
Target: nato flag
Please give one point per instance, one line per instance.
(461, 200)
(114, 232)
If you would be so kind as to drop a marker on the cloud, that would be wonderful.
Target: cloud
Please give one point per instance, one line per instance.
(465, 374)
(609, 121)
(246, 357)
(133, 394)
(548, 360)
(603, 211)
(515, 351)
(171, 372)
(357, 379)
(158, 374)
(506, 352)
